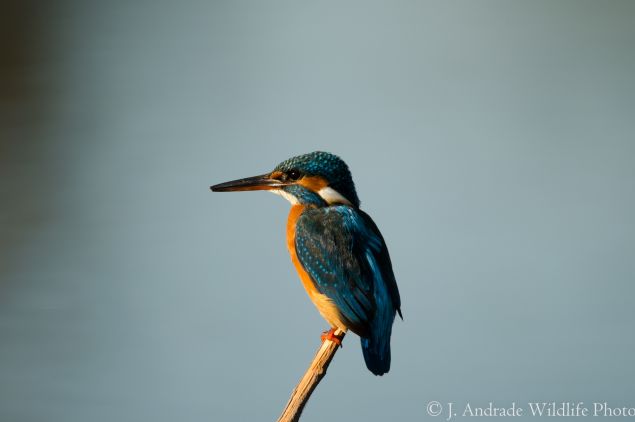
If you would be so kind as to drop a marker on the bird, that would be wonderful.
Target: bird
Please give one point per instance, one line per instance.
(338, 251)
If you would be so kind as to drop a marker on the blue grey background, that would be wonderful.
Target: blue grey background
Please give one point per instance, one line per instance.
(491, 141)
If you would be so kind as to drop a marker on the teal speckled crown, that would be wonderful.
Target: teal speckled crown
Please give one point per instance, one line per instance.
(327, 165)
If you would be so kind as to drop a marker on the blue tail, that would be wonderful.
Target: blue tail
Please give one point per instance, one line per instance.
(376, 352)
(377, 358)
(376, 346)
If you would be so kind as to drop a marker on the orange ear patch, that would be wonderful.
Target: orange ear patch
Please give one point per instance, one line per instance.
(313, 183)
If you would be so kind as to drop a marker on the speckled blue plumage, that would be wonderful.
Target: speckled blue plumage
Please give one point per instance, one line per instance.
(346, 257)
(327, 165)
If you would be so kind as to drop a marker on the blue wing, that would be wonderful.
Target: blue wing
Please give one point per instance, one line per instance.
(342, 250)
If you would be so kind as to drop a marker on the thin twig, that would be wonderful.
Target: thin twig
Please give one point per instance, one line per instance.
(310, 380)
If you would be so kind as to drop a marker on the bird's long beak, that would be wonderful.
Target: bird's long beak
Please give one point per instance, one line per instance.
(262, 182)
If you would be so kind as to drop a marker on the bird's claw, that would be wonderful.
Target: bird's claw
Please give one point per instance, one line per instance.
(330, 335)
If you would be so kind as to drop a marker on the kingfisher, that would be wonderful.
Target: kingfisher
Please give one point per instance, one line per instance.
(337, 250)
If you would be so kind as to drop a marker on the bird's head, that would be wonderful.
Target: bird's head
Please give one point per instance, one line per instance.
(317, 178)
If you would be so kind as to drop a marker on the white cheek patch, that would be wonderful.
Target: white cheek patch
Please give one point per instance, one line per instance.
(285, 195)
(332, 196)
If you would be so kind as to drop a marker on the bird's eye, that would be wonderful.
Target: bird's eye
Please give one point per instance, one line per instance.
(294, 174)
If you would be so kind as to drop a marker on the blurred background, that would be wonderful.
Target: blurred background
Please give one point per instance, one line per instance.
(491, 141)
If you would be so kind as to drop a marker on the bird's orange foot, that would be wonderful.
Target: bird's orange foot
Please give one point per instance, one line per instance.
(330, 335)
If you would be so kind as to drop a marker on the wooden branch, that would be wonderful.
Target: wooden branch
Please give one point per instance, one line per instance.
(310, 380)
